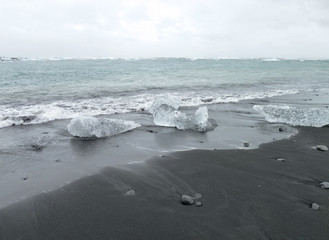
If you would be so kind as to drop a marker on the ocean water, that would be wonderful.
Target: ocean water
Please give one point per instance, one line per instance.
(36, 91)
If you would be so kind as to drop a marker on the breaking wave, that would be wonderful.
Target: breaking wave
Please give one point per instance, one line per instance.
(41, 113)
(313, 117)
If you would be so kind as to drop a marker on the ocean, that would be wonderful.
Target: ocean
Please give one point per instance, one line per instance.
(206, 104)
(36, 91)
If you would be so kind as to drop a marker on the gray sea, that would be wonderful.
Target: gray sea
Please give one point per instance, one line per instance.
(41, 90)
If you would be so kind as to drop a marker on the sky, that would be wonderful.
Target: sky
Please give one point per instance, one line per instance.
(165, 28)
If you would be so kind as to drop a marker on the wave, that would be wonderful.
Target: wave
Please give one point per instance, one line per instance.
(312, 117)
(41, 113)
(157, 58)
(271, 59)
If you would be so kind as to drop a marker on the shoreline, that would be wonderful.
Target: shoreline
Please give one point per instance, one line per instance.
(44, 157)
(244, 195)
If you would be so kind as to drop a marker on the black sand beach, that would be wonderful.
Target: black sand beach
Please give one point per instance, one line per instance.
(245, 194)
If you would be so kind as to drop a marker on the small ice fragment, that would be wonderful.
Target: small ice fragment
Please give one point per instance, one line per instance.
(130, 193)
(201, 117)
(325, 185)
(322, 148)
(197, 195)
(315, 206)
(187, 200)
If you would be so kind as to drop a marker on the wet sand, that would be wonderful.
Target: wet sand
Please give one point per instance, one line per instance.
(245, 194)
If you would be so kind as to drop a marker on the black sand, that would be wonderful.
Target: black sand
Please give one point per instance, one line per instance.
(246, 194)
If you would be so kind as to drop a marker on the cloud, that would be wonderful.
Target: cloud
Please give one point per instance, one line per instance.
(131, 28)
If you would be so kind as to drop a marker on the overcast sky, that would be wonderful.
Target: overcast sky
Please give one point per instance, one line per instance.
(165, 28)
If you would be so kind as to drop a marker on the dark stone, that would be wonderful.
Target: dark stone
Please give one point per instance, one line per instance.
(207, 100)
(246, 144)
(37, 147)
(26, 119)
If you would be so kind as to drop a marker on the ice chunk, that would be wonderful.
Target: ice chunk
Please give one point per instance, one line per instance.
(165, 100)
(313, 117)
(201, 117)
(165, 113)
(86, 126)
(167, 116)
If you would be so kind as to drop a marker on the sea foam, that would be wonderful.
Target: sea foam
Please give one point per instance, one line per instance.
(313, 117)
(46, 112)
(90, 127)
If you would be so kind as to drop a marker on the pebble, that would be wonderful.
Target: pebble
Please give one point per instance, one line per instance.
(131, 192)
(322, 148)
(37, 147)
(246, 144)
(281, 129)
(325, 185)
(198, 204)
(187, 200)
(315, 206)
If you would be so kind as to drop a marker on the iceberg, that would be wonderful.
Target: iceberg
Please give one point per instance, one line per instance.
(91, 127)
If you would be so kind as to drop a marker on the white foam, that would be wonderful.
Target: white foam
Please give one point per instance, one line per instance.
(41, 113)
(271, 60)
(313, 117)
(87, 126)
